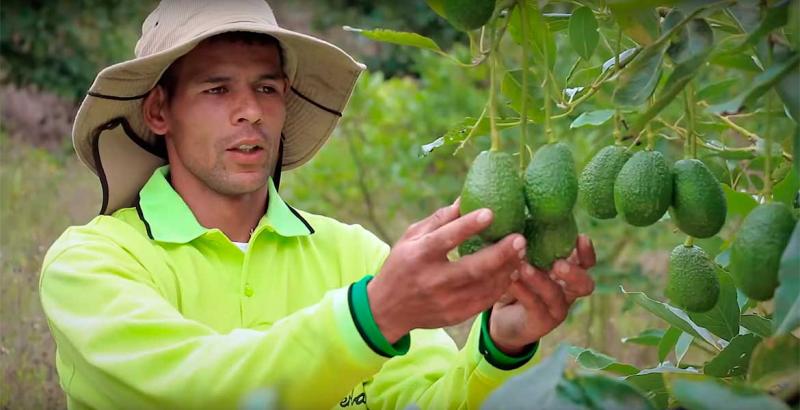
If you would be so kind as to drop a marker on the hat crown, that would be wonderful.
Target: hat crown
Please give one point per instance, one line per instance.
(176, 22)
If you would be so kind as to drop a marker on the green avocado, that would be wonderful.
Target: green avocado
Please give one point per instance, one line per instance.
(643, 188)
(551, 186)
(550, 241)
(471, 245)
(757, 248)
(467, 15)
(596, 182)
(693, 283)
(719, 168)
(698, 203)
(492, 182)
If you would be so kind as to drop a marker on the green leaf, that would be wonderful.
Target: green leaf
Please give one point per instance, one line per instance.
(734, 359)
(776, 16)
(511, 87)
(594, 360)
(593, 118)
(583, 35)
(653, 387)
(650, 337)
(540, 40)
(638, 23)
(682, 346)
(536, 385)
(757, 324)
(786, 190)
(695, 38)
(760, 85)
(787, 296)
(638, 81)
(709, 394)
(607, 393)
(739, 203)
(668, 342)
(557, 21)
(672, 315)
(402, 38)
(723, 319)
(715, 91)
(775, 361)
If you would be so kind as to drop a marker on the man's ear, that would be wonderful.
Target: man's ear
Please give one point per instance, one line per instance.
(154, 108)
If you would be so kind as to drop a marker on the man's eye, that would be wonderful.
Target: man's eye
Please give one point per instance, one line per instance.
(216, 90)
(267, 89)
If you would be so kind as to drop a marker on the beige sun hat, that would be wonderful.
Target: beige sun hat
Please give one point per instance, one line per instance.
(111, 137)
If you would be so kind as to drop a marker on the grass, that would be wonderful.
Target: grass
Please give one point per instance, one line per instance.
(41, 193)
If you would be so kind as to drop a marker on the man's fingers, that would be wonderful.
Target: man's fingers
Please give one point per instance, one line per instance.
(529, 299)
(576, 280)
(502, 257)
(550, 292)
(447, 237)
(435, 220)
(585, 252)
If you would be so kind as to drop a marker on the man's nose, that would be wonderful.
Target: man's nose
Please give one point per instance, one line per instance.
(247, 108)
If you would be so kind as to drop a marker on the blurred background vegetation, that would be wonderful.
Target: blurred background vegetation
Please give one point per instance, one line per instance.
(372, 172)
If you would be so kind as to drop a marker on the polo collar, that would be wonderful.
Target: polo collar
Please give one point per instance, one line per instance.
(168, 219)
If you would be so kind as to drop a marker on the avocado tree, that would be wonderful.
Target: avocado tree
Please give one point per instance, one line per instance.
(690, 110)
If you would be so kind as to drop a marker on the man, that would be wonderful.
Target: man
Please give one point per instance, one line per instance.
(197, 285)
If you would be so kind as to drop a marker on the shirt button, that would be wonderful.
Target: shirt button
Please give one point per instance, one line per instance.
(248, 290)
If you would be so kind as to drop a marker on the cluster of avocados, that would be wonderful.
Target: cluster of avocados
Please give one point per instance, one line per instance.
(642, 187)
(537, 204)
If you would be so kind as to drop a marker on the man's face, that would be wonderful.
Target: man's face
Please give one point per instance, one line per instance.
(225, 117)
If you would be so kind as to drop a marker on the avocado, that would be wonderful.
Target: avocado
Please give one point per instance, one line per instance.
(757, 248)
(471, 245)
(693, 283)
(550, 241)
(719, 168)
(596, 182)
(698, 203)
(643, 188)
(467, 15)
(551, 186)
(492, 182)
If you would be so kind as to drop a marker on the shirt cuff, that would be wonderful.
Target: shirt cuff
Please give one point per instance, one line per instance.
(494, 355)
(358, 300)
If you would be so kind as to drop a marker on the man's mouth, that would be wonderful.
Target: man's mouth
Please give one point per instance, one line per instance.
(246, 148)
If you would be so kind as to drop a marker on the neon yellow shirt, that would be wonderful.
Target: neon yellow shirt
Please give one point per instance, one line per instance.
(149, 309)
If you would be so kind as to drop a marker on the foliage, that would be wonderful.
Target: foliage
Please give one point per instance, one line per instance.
(714, 81)
(60, 46)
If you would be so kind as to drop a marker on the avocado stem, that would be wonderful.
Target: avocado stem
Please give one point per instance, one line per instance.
(689, 242)
(690, 140)
(523, 137)
(768, 136)
(492, 80)
(551, 138)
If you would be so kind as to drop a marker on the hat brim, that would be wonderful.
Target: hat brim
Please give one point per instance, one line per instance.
(112, 139)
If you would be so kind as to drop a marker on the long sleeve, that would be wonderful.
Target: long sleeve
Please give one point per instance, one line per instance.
(122, 345)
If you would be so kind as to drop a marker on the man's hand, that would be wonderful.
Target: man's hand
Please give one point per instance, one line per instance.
(539, 301)
(418, 287)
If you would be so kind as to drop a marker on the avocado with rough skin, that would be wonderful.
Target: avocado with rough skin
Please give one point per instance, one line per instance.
(467, 15)
(698, 207)
(551, 186)
(548, 242)
(492, 182)
(643, 188)
(693, 283)
(757, 249)
(596, 182)
(471, 245)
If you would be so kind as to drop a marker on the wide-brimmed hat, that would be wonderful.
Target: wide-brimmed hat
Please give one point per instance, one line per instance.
(111, 137)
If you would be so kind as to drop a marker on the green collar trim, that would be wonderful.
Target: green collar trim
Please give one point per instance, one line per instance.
(168, 219)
